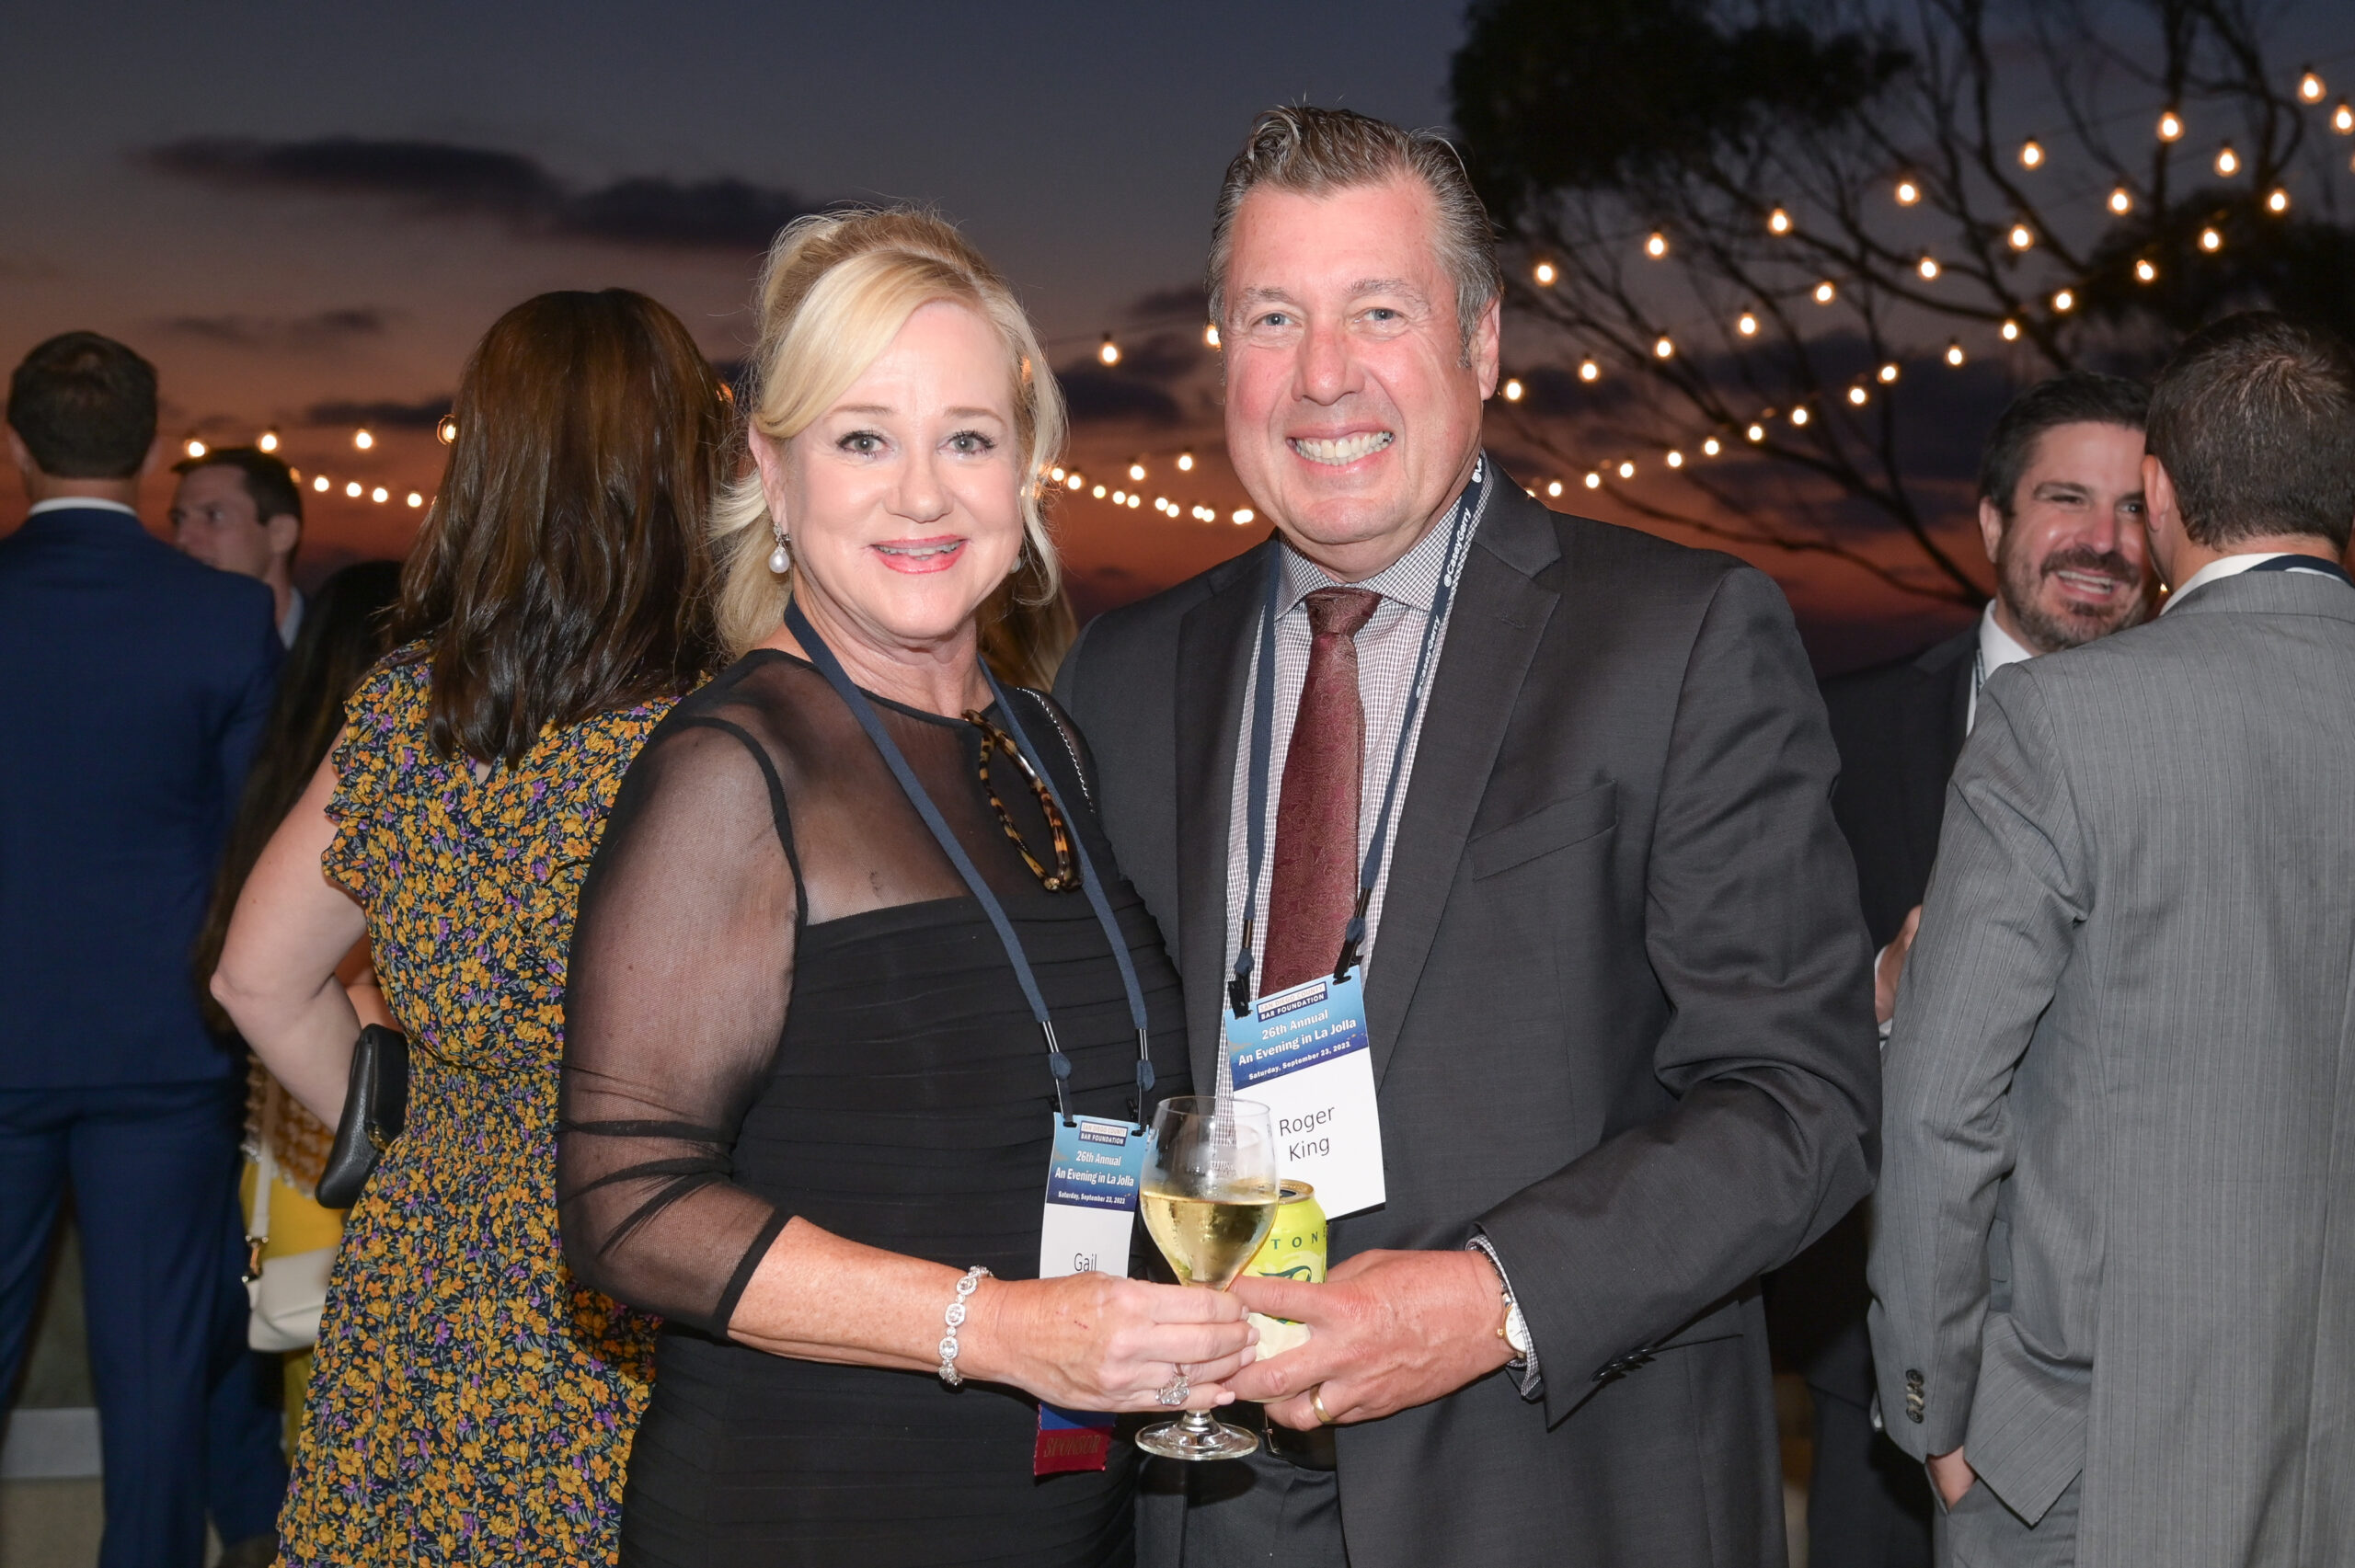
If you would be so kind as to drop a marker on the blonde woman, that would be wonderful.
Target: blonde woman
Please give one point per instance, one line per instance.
(806, 1100)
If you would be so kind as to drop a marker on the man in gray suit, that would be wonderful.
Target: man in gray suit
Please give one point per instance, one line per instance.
(1619, 1019)
(2115, 1265)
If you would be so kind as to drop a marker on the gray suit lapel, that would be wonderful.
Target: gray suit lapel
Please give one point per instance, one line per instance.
(1214, 661)
(1500, 617)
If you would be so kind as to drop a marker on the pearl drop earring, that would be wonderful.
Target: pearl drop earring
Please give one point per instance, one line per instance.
(780, 558)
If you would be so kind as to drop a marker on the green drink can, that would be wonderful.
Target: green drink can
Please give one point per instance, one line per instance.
(1294, 1249)
(1295, 1246)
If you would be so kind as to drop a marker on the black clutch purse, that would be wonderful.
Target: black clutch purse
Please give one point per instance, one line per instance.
(375, 1104)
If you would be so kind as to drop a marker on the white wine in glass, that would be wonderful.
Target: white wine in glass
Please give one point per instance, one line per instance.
(1209, 1197)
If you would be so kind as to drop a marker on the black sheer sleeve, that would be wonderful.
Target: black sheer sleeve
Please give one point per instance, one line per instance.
(682, 968)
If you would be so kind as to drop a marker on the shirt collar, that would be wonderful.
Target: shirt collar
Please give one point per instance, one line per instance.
(1413, 578)
(1997, 647)
(81, 503)
(2222, 566)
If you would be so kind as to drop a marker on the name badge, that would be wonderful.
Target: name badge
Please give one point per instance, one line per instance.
(1091, 1211)
(1305, 1053)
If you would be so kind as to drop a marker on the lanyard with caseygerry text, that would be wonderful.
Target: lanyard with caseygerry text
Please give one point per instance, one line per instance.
(864, 711)
(1263, 710)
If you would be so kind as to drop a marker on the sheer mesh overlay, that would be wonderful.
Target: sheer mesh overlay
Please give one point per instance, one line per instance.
(783, 999)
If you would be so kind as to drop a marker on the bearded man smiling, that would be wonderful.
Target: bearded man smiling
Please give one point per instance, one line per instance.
(2060, 512)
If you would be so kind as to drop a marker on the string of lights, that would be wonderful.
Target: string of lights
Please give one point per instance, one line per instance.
(2120, 201)
(2060, 298)
(362, 440)
(1073, 481)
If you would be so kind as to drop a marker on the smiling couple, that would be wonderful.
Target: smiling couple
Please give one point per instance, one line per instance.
(1616, 984)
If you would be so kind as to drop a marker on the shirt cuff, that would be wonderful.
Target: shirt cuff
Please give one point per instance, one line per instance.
(1532, 1383)
(1883, 1025)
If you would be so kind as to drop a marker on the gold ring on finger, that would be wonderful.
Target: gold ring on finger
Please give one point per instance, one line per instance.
(1316, 1403)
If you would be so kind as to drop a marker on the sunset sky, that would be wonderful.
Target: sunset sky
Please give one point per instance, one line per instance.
(305, 215)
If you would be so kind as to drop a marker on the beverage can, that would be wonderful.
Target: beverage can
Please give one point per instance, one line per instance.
(1295, 1245)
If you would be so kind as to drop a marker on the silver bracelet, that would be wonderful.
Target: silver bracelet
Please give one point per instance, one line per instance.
(955, 1318)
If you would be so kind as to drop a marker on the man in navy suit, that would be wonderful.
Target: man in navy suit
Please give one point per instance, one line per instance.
(133, 686)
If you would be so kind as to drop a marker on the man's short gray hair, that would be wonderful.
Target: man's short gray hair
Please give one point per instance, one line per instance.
(1315, 151)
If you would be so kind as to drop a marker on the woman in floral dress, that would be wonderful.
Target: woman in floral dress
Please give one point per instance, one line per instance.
(471, 1401)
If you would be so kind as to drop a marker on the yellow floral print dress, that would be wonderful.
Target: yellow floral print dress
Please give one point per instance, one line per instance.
(471, 1404)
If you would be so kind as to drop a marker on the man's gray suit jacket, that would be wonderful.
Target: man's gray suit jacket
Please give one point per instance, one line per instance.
(1620, 1010)
(2117, 1217)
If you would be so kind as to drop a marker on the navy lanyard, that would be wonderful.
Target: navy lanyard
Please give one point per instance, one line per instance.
(1263, 716)
(1058, 1064)
(2314, 563)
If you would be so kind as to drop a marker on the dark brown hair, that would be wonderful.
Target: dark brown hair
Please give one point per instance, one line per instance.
(561, 572)
(2253, 420)
(85, 407)
(343, 634)
(2077, 398)
(270, 484)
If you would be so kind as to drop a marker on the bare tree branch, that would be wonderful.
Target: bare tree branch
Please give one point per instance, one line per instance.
(1919, 93)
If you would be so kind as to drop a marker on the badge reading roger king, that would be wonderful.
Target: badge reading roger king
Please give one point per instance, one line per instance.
(1305, 1053)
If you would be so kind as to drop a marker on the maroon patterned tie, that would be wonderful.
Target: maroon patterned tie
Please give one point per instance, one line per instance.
(1315, 884)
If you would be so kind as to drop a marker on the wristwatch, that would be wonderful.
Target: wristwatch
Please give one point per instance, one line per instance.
(1514, 1330)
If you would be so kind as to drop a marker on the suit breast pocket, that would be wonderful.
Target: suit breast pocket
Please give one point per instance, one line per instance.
(1571, 821)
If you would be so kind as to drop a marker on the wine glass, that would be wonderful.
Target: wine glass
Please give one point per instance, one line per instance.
(1210, 1195)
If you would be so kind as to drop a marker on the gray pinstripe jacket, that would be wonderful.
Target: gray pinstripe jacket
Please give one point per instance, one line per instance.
(2117, 1211)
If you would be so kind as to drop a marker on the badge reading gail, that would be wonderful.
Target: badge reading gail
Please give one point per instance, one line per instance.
(1091, 1197)
(1090, 1215)
(1304, 1053)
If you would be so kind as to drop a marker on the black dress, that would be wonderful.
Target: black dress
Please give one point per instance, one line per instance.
(783, 1001)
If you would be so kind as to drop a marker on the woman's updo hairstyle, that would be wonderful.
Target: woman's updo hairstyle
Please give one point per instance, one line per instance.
(836, 289)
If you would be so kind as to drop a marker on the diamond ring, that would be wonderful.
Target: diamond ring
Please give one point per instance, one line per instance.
(1174, 1394)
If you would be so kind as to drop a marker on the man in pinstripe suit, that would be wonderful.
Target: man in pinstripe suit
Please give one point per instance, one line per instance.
(2114, 1274)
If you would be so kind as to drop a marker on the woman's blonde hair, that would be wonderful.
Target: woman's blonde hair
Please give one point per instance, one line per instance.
(835, 290)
